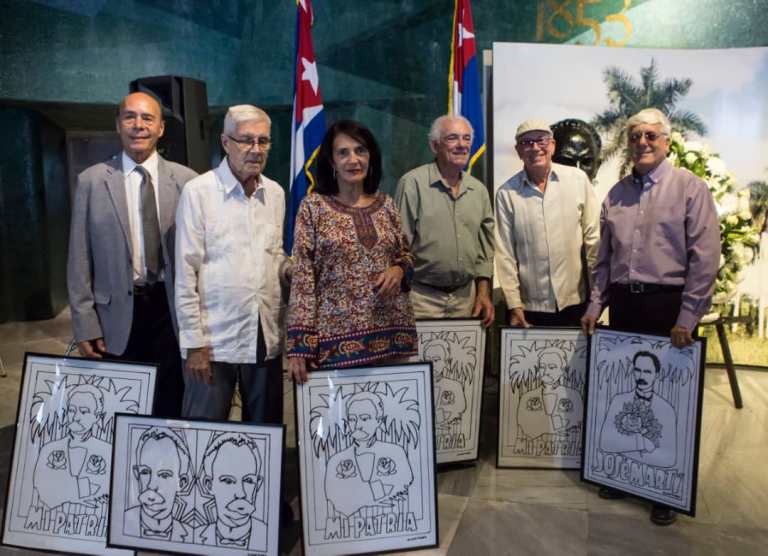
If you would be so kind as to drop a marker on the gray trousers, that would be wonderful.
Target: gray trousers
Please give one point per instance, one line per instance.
(260, 389)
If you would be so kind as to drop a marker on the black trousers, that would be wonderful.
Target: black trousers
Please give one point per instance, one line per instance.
(152, 340)
(647, 313)
(568, 316)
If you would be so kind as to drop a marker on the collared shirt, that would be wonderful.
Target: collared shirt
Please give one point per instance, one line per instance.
(451, 239)
(660, 229)
(133, 197)
(540, 236)
(229, 265)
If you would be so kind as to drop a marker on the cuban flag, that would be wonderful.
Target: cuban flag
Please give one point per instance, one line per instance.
(464, 77)
(308, 119)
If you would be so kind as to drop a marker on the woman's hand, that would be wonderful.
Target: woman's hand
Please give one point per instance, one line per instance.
(298, 369)
(388, 282)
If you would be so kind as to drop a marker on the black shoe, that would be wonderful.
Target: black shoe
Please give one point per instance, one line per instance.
(608, 493)
(286, 514)
(662, 515)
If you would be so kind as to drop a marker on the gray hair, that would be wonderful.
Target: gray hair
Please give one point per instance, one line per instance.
(243, 113)
(436, 131)
(650, 116)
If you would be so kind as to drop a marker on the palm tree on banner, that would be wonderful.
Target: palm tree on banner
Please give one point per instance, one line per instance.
(627, 97)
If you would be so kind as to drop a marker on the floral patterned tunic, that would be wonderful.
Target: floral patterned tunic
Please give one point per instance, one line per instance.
(334, 314)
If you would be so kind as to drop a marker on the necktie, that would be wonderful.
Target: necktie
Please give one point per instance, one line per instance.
(150, 226)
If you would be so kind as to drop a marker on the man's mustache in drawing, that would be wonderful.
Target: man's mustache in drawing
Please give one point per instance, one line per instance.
(242, 507)
(150, 499)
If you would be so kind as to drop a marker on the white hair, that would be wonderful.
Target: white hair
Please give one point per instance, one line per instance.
(243, 113)
(436, 131)
(650, 116)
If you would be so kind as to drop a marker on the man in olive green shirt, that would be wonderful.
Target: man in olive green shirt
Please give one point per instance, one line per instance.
(447, 218)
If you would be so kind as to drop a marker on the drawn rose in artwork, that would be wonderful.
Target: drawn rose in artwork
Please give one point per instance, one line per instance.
(631, 423)
(534, 404)
(449, 397)
(96, 465)
(57, 459)
(637, 417)
(346, 469)
(386, 467)
(566, 404)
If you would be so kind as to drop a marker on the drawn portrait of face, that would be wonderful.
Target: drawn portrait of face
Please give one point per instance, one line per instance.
(645, 369)
(438, 355)
(551, 367)
(162, 472)
(85, 408)
(363, 416)
(234, 482)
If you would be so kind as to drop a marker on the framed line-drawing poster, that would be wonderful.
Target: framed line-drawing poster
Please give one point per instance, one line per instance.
(365, 441)
(643, 418)
(196, 487)
(541, 397)
(58, 488)
(456, 349)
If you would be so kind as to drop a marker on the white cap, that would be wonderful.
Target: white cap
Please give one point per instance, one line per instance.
(532, 125)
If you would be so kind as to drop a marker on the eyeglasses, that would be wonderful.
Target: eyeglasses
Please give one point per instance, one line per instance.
(249, 143)
(650, 136)
(541, 142)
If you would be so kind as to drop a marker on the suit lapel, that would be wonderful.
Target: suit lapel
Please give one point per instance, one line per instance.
(166, 193)
(116, 187)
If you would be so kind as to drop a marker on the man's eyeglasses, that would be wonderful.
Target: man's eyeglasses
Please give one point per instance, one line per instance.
(650, 136)
(541, 142)
(264, 143)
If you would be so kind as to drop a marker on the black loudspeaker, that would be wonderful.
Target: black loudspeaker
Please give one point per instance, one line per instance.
(185, 109)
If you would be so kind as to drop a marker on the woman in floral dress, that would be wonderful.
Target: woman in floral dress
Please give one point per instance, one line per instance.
(349, 301)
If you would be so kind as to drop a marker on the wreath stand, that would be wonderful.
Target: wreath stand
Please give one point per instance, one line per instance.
(717, 320)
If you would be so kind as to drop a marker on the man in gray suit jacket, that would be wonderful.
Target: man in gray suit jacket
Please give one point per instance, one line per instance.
(120, 267)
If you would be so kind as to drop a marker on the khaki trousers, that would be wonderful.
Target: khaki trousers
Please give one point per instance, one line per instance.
(429, 303)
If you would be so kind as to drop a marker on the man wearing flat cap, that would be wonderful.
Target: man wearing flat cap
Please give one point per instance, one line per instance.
(546, 234)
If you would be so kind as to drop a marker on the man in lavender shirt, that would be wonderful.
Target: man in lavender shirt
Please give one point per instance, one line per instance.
(659, 249)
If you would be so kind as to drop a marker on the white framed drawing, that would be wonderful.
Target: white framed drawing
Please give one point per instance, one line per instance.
(643, 418)
(196, 487)
(365, 439)
(58, 488)
(456, 349)
(541, 397)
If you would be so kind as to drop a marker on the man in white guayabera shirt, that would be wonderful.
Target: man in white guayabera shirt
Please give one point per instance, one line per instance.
(230, 263)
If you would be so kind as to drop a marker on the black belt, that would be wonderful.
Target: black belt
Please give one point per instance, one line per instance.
(642, 287)
(148, 289)
(444, 289)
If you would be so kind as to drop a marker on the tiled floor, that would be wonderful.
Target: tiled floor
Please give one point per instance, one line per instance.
(484, 510)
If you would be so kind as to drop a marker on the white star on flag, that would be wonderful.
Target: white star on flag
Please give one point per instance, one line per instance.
(310, 73)
(464, 34)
